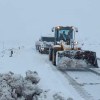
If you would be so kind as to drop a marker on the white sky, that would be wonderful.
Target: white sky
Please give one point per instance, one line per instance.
(25, 20)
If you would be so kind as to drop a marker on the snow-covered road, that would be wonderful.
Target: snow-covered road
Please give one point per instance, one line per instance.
(52, 80)
(89, 81)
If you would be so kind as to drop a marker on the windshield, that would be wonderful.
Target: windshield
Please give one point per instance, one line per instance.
(65, 35)
(48, 39)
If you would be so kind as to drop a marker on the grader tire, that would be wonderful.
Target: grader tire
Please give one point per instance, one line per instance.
(54, 57)
(50, 54)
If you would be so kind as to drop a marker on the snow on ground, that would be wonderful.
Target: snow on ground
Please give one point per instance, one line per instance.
(16, 87)
(54, 84)
(89, 81)
(52, 81)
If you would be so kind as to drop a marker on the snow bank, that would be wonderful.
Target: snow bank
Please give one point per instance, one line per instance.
(66, 63)
(16, 87)
(58, 96)
(47, 95)
(32, 76)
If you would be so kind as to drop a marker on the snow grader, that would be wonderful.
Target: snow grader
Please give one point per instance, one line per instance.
(65, 49)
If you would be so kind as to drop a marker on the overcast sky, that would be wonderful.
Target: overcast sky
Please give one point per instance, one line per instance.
(26, 20)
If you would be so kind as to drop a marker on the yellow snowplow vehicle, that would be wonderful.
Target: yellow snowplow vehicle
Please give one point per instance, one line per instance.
(65, 51)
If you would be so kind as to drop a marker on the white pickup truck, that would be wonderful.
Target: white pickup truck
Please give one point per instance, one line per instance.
(44, 44)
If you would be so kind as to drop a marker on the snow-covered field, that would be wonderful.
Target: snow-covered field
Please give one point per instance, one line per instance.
(22, 22)
(53, 83)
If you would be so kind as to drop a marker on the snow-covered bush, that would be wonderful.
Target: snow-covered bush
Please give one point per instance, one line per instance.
(16, 87)
(32, 76)
(66, 63)
(59, 96)
(70, 98)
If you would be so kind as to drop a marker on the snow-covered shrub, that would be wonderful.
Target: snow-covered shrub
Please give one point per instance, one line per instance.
(30, 90)
(32, 76)
(70, 98)
(65, 63)
(58, 96)
(16, 87)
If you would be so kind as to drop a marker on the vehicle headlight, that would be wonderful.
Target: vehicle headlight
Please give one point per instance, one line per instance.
(76, 43)
(42, 48)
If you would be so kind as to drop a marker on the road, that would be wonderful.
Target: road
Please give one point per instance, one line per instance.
(86, 86)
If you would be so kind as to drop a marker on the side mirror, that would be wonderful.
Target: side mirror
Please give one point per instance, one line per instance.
(75, 28)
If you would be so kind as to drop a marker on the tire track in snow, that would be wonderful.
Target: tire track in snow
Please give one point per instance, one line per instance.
(80, 90)
(83, 93)
(93, 71)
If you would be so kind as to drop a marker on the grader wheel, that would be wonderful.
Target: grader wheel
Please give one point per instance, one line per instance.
(50, 54)
(54, 57)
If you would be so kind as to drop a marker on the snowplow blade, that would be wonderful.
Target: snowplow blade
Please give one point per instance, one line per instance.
(75, 59)
(88, 56)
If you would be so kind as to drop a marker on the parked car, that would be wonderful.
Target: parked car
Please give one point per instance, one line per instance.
(44, 44)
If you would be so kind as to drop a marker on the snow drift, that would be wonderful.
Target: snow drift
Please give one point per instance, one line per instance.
(16, 87)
